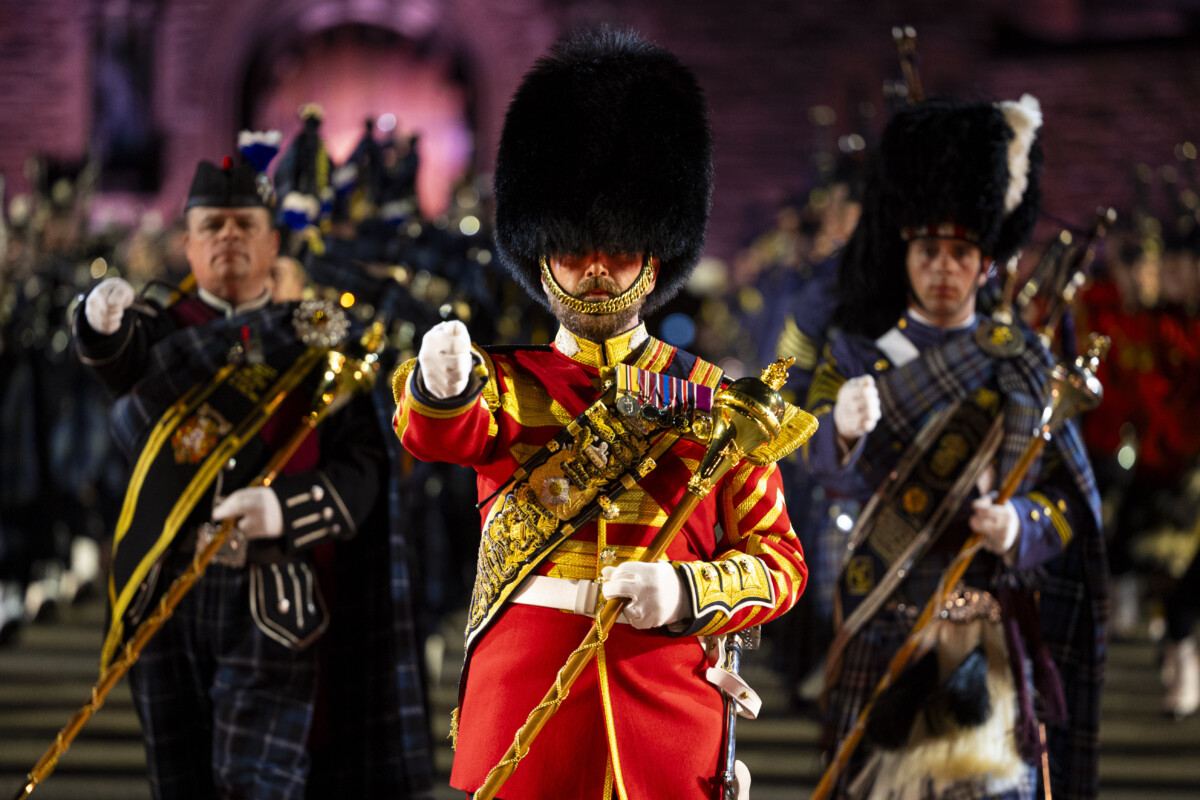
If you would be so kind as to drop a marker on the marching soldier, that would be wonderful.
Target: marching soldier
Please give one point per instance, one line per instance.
(603, 182)
(798, 300)
(925, 418)
(226, 692)
(303, 175)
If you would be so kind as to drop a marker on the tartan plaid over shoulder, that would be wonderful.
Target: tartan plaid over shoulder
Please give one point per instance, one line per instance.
(378, 733)
(1073, 585)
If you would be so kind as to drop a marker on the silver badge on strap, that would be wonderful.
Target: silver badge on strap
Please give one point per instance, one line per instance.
(320, 323)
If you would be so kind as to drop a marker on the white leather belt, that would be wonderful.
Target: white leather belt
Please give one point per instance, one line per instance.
(578, 597)
(745, 700)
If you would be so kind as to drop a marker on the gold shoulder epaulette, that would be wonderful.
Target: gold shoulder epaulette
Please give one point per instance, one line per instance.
(400, 377)
(491, 389)
(796, 428)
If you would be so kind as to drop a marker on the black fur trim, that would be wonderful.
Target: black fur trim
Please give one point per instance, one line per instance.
(964, 694)
(606, 147)
(939, 161)
(891, 719)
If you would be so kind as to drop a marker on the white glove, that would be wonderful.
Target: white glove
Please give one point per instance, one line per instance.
(741, 780)
(445, 359)
(856, 410)
(997, 524)
(106, 304)
(258, 509)
(655, 592)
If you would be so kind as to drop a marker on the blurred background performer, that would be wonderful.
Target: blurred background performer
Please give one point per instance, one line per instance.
(954, 190)
(227, 691)
(798, 296)
(59, 490)
(603, 182)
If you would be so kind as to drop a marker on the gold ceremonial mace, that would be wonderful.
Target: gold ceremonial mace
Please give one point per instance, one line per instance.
(747, 415)
(342, 376)
(1073, 389)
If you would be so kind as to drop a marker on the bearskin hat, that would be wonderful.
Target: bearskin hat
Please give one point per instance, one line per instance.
(606, 147)
(943, 168)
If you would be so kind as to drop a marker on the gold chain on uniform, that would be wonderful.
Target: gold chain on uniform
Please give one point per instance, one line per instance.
(611, 306)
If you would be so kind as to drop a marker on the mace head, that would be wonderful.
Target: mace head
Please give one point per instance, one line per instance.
(1074, 388)
(747, 414)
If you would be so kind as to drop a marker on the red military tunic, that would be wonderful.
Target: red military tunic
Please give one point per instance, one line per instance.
(642, 721)
(1150, 384)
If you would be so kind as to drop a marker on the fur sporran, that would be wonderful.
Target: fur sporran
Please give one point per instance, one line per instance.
(951, 715)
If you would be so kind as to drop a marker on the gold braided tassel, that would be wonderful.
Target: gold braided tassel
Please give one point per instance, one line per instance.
(559, 692)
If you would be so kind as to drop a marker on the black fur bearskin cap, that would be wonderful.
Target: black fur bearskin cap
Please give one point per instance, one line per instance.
(944, 167)
(606, 147)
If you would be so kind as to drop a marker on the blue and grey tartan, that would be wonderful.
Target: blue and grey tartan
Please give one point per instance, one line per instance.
(1074, 591)
(1073, 586)
(225, 710)
(952, 371)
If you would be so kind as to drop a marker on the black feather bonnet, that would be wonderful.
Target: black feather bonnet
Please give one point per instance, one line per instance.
(944, 168)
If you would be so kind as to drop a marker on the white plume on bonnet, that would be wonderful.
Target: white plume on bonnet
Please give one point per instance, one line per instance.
(1024, 117)
(271, 138)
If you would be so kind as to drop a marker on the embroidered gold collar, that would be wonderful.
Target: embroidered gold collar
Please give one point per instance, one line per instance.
(597, 354)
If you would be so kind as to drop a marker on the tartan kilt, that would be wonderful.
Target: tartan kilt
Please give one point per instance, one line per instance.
(865, 662)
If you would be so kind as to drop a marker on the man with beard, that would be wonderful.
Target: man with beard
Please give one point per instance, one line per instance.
(603, 183)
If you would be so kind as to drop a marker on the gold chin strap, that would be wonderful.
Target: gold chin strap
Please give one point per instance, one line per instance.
(613, 305)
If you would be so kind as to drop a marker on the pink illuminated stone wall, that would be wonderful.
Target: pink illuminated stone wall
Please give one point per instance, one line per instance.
(1117, 86)
(352, 80)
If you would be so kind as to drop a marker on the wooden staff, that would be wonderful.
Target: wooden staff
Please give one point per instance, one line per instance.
(1072, 390)
(1077, 271)
(332, 387)
(906, 47)
(747, 414)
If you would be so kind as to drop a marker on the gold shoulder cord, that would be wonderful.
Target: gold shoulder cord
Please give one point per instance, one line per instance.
(613, 305)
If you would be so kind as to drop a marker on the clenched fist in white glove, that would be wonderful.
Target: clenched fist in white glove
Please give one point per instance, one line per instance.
(261, 516)
(655, 592)
(106, 304)
(445, 359)
(856, 410)
(997, 524)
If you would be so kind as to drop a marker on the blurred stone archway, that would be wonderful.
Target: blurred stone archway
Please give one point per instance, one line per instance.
(232, 64)
(358, 72)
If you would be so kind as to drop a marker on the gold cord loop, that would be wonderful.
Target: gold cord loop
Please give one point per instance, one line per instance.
(558, 693)
(613, 305)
